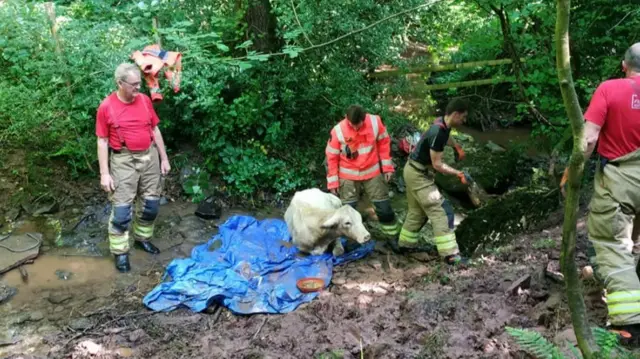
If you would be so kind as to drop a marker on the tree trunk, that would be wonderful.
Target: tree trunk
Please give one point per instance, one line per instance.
(510, 48)
(262, 26)
(574, 113)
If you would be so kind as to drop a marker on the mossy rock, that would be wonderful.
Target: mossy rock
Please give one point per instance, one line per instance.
(495, 223)
(494, 171)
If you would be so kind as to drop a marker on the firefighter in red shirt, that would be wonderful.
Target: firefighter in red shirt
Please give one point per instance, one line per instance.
(613, 120)
(359, 161)
(132, 160)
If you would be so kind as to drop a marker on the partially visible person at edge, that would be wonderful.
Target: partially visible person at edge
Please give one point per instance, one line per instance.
(613, 120)
(132, 159)
(359, 162)
(423, 197)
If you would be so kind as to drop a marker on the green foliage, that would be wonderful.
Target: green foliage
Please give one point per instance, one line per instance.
(544, 243)
(260, 120)
(535, 344)
(197, 184)
(334, 354)
(434, 345)
(471, 31)
(238, 102)
(249, 168)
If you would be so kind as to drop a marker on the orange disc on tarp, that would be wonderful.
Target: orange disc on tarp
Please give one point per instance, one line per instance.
(308, 285)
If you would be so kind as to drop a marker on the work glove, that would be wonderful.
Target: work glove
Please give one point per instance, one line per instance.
(465, 177)
(563, 182)
(458, 153)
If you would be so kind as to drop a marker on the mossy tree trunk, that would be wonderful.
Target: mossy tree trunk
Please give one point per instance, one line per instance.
(574, 113)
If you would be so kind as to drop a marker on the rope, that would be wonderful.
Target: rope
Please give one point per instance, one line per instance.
(38, 243)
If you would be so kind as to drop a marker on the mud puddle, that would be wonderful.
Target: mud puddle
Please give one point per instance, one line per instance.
(50, 272)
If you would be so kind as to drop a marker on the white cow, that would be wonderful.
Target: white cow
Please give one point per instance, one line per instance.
(315, 219)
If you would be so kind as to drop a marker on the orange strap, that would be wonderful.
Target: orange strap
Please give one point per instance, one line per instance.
(565, 177)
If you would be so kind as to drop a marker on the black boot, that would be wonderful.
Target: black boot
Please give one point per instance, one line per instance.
(122, 262)
(419, 247)
(456, 260)
(146, 246)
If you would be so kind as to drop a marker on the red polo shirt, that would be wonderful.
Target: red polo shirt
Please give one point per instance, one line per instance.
(615, 106)
(135, 119)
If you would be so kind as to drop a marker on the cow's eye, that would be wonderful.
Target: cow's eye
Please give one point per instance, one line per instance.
(347, 224)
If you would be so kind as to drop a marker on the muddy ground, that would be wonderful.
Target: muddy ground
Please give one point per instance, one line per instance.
(75, 304)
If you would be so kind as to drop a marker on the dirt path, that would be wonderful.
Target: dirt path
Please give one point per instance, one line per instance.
(384, 306)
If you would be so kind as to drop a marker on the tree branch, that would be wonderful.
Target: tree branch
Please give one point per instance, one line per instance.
(510, 48)
(621, 20)
(586, 343)
(482, 7)
(293, 6)
(352, 32)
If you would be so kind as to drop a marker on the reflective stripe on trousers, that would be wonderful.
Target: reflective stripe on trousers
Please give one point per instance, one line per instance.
(613, 208)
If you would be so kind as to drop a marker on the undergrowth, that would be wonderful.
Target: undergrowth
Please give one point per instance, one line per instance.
(538, 346)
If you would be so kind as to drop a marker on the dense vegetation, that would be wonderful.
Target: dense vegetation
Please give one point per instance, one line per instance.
(264, 81)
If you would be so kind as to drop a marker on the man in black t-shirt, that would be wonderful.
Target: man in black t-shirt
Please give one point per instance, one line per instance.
(424, 199)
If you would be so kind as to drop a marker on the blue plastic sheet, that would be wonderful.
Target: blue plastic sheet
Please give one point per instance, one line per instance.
(254, 270)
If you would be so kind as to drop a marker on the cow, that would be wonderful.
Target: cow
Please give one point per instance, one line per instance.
(316, 219)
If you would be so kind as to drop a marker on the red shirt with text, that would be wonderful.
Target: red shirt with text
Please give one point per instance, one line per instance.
(615, 106)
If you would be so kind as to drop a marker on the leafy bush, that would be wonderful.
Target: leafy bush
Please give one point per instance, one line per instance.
(261, 121)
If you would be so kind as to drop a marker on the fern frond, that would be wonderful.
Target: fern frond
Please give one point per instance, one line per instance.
(609, 345)
(534, 343)
(575, 351)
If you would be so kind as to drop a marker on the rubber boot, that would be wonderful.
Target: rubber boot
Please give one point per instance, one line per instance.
(122, 262)
(456, 260)
(146, 246)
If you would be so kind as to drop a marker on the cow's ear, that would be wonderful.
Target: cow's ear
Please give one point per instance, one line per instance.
(331, 222)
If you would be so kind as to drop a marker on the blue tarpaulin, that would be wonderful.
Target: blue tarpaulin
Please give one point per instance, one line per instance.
(253, 269)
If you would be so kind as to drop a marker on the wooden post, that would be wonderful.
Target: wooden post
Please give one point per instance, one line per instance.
(442, 67)
(155, 31)
(460, 84)
(53, 27)
(51, 12)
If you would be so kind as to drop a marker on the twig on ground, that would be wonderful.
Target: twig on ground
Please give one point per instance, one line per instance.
(84, 218)
(124, 316)
(216, 314)
(23, 274)
(77, 255)
(260, 328)
(175, 245)
(153, 266)
(391, 268)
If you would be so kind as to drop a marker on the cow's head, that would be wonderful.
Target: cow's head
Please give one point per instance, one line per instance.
(347, 222)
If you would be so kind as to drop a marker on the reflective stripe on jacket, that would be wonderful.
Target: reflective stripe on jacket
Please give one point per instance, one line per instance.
(371, 142)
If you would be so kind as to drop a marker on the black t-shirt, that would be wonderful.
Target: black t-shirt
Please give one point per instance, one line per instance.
(435, 138)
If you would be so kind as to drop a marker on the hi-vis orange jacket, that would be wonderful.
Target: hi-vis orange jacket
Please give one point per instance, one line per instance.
(151, 60)
(368, 147)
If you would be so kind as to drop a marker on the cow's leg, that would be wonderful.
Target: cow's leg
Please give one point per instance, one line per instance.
(319, 250)
(338, 249)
